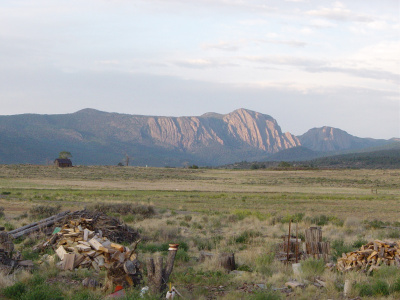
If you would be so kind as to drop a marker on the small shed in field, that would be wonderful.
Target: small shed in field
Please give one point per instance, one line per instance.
(63, 162)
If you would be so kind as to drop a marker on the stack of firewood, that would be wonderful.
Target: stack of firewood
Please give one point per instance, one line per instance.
(79, 247)
(371, 256)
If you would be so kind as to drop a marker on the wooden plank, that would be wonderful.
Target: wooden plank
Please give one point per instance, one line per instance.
(85, 234)
(83, 247)
(61, 252)
(69, 259)
(95, 244)
(78, 260)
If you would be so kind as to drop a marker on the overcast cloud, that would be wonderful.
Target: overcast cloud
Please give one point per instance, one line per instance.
(306, 63)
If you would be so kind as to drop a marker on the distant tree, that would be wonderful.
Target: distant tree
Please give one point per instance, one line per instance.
(64, 154)
(193, 167)
(120, 164)
(254, 166)
(284, 164)
(127, 159)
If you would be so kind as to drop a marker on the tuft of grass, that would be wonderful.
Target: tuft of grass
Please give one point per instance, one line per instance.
(266, 295)
(312, 268)
(182, 255)
(263, 263)
(246, 236)
(15, 291)
(9, 226)
(376, 288)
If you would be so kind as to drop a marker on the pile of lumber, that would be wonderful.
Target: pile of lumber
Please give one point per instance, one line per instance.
(371, 256)
(78, 246)
(110, 227)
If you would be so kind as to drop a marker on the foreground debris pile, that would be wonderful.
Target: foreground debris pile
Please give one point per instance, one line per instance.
(111, 228)
(371, 256)
(79, 243)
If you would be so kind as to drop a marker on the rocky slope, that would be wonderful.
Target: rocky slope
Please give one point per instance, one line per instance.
(95, 137)
(104, 138)
(329, 139)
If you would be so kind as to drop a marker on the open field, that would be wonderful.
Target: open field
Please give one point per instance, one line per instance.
(241, 211)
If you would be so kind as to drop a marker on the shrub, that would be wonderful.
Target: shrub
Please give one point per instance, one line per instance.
(395, 287)
(43, 291)
(263, 263)
(9, 226)
(375, 224)
(358, 243)
(15, 291)
(377, 287)
(124, 209)
(245, 236)
(182, 255)
(297, 217)
(44, 211)
(338, 247)
(266, 295)
(312, 268)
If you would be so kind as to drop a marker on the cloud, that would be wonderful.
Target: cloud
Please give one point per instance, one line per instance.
(313, 65)
(202, 63)
(237, 45)
(287, 60)
(339, 13)
(224, 46)
(322, 23)
(363, 73)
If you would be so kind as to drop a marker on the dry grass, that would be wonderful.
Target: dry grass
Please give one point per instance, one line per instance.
(244, 212)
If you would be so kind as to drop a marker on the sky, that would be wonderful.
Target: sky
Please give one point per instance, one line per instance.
(306, 63)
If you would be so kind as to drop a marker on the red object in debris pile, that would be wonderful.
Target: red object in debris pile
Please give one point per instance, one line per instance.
(118, 292)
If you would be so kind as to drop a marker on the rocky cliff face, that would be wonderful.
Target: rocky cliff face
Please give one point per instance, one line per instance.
(241, 128)
(329, 139)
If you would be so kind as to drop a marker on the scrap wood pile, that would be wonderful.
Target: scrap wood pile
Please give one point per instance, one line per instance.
(83, 242)
(110, 227)
(371, 256)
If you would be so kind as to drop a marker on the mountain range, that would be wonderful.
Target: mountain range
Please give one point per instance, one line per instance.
(101, 138)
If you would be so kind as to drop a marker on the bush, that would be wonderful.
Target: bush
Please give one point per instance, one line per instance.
(9, 226)
(15, 291)
(338, 247)
(358, 243)
(124, 209)
(44, 211)
(377, 287)
(395, 287)
(246, 236)
(266, 295)
(312, 268)
(375, 224)
(263, 263)
(182, 255)
(297, 217)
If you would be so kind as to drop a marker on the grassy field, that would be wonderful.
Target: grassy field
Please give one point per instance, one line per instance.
(240, 211)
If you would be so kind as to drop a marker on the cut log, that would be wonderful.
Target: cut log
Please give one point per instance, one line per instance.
(37, 225)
